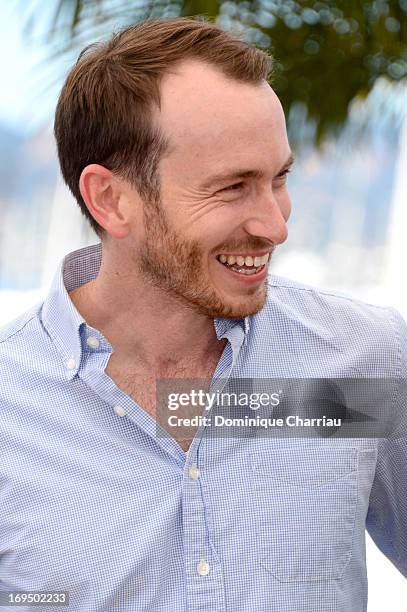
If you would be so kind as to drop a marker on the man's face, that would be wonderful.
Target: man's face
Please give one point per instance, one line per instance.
(217, 127)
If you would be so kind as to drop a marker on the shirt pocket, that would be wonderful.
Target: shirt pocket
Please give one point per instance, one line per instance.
(305, 508)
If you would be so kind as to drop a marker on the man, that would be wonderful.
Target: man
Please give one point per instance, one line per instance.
(175, 147)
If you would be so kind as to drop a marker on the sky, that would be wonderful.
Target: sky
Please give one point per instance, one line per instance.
(22, 107)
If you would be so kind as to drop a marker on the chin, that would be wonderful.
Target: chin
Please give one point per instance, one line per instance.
(239, 309)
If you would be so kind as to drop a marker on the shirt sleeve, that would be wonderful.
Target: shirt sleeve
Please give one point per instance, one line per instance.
(386, 519)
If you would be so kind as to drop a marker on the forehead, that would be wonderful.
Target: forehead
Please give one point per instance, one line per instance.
(211, 119)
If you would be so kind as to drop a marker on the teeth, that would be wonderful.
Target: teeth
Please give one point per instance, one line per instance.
(248, 272)
(247, 261)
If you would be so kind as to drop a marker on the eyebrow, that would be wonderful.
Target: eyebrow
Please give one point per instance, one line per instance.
(217, 179)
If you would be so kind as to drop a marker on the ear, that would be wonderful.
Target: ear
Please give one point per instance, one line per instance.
(104, 195)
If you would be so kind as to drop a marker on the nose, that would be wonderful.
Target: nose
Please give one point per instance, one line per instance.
(266, 219)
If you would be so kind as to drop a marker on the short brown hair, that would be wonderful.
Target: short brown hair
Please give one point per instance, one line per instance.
(104, 111)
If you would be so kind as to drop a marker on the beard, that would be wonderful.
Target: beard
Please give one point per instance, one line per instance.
(175, 265)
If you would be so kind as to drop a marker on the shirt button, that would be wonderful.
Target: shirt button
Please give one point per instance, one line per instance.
(203, 568)
(71, 364)
(93, 342)
(193, 472)
(119, 410)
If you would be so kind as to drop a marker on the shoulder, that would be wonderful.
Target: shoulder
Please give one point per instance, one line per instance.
(330, 324)
(20, 326)
(324, 304)
(23, 342)
(29, 359)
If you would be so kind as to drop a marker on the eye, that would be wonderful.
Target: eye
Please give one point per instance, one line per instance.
(284, 173)
(234, 187)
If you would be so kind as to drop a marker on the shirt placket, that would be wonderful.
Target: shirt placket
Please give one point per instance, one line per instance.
(204, 576)
(204, 573)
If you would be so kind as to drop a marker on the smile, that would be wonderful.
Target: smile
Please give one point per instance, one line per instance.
(245, 265)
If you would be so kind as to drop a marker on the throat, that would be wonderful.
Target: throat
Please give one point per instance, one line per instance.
(192, 367)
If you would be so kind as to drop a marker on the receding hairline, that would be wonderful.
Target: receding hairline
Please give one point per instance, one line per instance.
(156, 112)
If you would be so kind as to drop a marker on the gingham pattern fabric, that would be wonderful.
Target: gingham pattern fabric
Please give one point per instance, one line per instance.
(93, 502)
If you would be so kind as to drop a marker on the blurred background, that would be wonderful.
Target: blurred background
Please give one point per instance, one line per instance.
(341, 74)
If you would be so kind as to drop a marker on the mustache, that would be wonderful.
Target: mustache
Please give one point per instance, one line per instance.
(253, 245)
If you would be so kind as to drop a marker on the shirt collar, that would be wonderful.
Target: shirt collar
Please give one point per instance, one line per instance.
(222, 326)
(61, 319)
(64, 323)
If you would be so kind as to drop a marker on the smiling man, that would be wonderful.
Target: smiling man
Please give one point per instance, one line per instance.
(175, 147)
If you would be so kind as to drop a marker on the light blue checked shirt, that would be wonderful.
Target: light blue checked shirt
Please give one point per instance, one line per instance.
(94, 503)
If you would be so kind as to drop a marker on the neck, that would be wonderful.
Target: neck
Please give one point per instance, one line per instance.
(142, 322)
